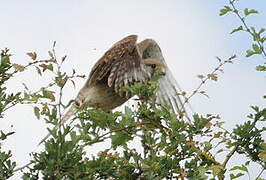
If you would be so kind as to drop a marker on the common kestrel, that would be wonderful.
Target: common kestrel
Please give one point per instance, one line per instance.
(123, 64)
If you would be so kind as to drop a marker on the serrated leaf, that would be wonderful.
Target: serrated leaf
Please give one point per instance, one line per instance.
(213, 77)
(18, 67)
(33, 55)
(240, 28)
(256, 49)
(120, 138)
(37, 112)
(225, 10)
(50, 67)
(61, 81)
(250, 11)
(48, 94)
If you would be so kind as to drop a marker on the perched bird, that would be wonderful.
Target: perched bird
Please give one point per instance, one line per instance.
(123, 64)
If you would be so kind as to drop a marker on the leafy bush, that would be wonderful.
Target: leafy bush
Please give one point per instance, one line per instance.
(169, 146)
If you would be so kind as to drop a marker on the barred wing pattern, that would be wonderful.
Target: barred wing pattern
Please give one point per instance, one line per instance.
(168, 93)
(121, 64)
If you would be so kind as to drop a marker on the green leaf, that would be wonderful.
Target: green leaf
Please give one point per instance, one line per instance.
(225, 10)
(64, 58)
(262, 155)
(263, 39)
(261, 68)
(61, 81)
(240, 28)
(232, 176)
(120, 138)
(216, 169)
(5, 60)
(260, 178)
(45, 67)
(18, 67)
(50, 67)
(262, 30)
(37, 112)
(256, 49)
(48, 94)
(127, 118)
(5, 135)
(250, 53)
(241, 168)
(250, 11)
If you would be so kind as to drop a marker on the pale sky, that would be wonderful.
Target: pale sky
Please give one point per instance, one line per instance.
(190, 33)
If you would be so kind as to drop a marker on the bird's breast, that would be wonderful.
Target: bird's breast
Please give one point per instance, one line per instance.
(102, 96)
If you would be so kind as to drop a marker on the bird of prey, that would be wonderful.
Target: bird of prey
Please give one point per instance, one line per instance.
(123, 64)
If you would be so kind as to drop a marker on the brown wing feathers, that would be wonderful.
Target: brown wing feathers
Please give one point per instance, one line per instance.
(121, 65)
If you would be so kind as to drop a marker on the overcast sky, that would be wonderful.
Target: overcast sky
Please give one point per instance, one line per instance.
(190, 32)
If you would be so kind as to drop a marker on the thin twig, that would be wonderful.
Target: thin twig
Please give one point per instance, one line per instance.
(203, 81)
(17, 102)
(116, 130)
(19, 169)
(231, 153)
(242, 19)
(260, 173)
(30, 64)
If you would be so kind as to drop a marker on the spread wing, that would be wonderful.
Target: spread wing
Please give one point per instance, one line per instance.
(168, 93)
(121, 65)
(168, 88)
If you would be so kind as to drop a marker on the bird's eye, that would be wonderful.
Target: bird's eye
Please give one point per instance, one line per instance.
(153, 66)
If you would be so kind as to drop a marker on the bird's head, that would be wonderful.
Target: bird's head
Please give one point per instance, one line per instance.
(152, 56)
(157, 65)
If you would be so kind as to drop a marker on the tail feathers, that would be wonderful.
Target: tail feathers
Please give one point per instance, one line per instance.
(72, 110)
